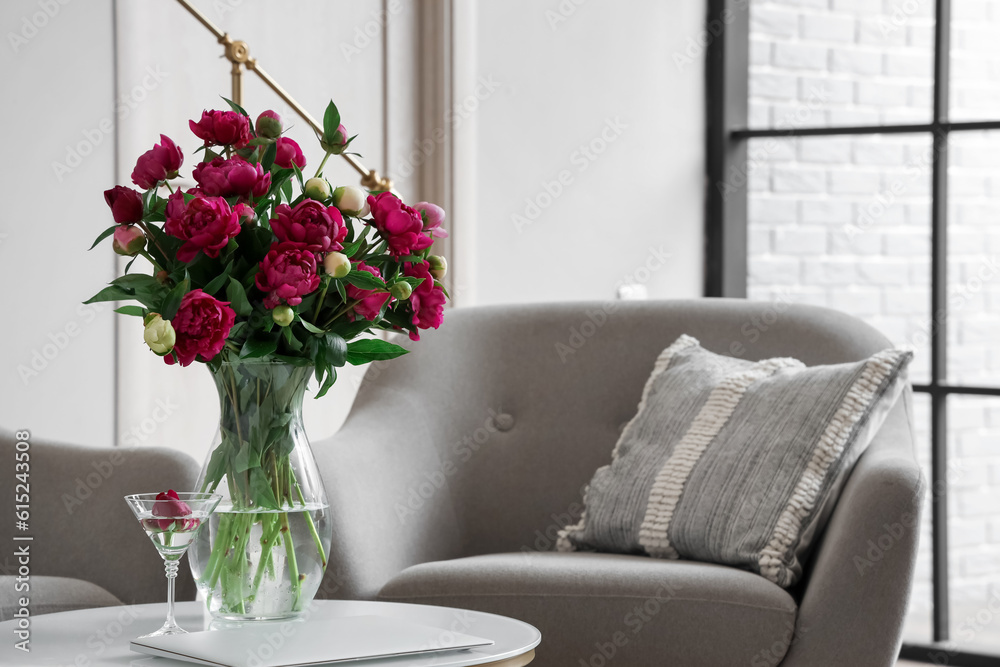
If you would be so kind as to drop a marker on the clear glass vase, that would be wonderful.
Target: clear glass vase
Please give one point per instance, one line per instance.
(263, 554)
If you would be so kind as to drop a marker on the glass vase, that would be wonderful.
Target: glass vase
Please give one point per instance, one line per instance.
(263, 554)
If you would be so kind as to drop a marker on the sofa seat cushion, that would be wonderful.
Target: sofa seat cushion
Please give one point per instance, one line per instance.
(592, 607)
(48, 595)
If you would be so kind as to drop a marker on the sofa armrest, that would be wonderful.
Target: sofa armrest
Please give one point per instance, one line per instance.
(389, 508)
(81, 526)
(855, 600)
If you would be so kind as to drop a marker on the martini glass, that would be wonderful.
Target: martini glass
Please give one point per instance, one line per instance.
(172, 522)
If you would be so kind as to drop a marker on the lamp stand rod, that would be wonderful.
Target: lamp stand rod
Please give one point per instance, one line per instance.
(238, 53)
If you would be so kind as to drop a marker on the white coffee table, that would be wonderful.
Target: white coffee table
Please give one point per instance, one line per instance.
(100, 637)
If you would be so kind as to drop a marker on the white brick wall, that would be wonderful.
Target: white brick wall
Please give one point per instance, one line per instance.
(843, 222)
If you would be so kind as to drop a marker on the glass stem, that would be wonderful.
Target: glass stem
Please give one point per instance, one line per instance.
(171, 568)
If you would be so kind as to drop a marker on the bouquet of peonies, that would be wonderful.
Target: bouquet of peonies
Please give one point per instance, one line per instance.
(267, 287)
(243, 268)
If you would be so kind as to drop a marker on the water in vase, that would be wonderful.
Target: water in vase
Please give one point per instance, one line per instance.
(273, 566)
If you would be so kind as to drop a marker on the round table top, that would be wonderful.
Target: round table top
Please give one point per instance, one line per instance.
(100, 637)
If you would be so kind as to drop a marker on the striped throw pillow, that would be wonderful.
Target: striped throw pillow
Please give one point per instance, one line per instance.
(736, 462)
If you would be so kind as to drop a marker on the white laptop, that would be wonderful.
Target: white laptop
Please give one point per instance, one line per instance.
(302, 644)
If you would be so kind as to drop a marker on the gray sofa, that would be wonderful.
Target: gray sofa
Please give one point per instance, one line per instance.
(459, 463)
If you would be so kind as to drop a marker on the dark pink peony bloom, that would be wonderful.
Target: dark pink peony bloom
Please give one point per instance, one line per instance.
(370, 301)
(204, 223)
(170, 505)
(232, 177)
(286, 274)
(202, 324)
(288, 151)
(321, 228)
(269, 124)
(433, 217)
(159, 163)
(222, 128)
(427, 300)
(125, 203)
(399, 224)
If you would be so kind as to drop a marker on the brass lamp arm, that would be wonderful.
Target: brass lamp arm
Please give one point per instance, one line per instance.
(238, 53)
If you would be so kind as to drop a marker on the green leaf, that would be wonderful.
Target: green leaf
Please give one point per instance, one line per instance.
(238, 298)
(132, 310)
(339, 284)
(112, 293)
(372, 349)
(216, 283)
(258, 347)
(135, 281)
(293, 343)
(331, 121)
(298, 177)
(216, 465)
(286, 191)
(260, 490)
(311, 328)
(270, 153)
(336, 349)
(364, 280)
(173, 300)
(411, 281)
(235, 107)
(351, 249)
(105, 234)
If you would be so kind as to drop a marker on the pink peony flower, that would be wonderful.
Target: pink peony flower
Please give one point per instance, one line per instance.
(159, 163)
(201, 325)
(288, 152)
(320, 228)
(287, 273)
(232, 177)
(427, 300)
(125, 203)
(170, 505)
(222, 128)
(128, 240)
(433, 217)
(269, 124)
(399, 224)
(204, 223)
(370, 301)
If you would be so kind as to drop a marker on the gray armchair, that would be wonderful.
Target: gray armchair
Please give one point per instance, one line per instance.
(83, 532)
(459, 462)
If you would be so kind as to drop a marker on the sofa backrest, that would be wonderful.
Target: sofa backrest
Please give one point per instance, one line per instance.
(523, 403)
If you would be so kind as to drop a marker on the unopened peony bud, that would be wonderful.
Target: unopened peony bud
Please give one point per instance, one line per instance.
(268, 125)
(159, 334)
(317, 188)
(162, 277)
(351, 200)
(128, 240)
(401, 291)
(283, 316)
(337, 264)
(439, 266)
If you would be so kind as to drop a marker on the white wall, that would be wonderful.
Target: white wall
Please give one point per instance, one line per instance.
(58, 113)
(550, 79)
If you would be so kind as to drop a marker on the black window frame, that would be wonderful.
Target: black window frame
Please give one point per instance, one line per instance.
(728, 134)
